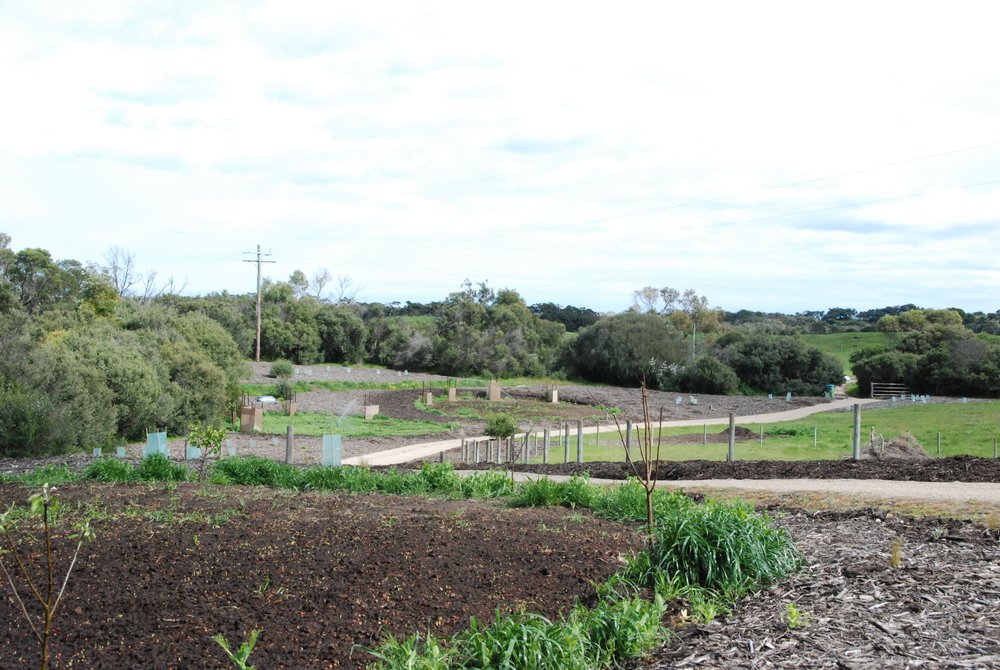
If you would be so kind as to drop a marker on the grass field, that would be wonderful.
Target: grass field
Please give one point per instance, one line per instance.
(842, 345)
(310, 423)
(965, 429)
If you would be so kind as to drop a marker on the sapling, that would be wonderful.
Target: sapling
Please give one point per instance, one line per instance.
(208, 440)
(44, 505)
(650, 458)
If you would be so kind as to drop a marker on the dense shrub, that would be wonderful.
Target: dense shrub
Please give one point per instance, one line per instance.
(776, 364)
(621, 349)
(709, 375)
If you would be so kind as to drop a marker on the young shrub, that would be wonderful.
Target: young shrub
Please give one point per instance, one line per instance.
(282, 369)
(438, 479)
(44, 592)
(621, 628)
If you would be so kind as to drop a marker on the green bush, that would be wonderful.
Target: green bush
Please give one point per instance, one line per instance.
(486, 485)
(524, 641)
(618, 629)
(282, 369)
(628, 502)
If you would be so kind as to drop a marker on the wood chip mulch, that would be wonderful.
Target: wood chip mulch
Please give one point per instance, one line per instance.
(940, 608)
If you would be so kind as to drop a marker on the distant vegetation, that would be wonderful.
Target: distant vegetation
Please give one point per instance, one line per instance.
(92, 355)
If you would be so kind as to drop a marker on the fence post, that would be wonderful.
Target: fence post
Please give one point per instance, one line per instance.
(730, 453)
(628, 437)
(289, 440)
(995, 454)
(565, 437)
(815, 436)
(545, 446)
(704, 436)
(761, 436)
(856, 451)
(939, 445)
(579, 440)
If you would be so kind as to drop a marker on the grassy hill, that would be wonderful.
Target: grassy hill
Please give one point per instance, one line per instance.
(842, 345)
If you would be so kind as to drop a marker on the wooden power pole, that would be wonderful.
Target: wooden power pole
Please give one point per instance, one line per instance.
(258, 261)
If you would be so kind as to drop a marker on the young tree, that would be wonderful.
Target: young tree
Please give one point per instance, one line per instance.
(648, 452)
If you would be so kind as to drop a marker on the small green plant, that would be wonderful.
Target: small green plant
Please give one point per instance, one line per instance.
(45, 506)
(795, 617)
(282, 369)
(208, 440)
(241, 655)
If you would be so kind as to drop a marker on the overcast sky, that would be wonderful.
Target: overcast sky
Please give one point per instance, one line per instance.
(773, 156)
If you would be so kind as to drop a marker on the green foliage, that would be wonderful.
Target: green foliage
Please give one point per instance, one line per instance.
(412, 653)
(110, 470)
(282, 369)
(485, 485)
(501, 426)
(256, 471)
(159, 468)
(241, 656)
(528, 641)
(342, 335)
(48, 474)
(776, 364)
(709, 375)
(625, 348)
(575, 492)
(724, 547)
(480, 331)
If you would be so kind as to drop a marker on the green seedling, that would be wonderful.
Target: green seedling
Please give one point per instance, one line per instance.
(45, 506)
(241, 655)
(795, 617)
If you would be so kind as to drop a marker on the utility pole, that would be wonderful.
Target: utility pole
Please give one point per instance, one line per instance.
(258, 261)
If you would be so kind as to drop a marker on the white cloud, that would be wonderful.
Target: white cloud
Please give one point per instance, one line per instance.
(573, 152)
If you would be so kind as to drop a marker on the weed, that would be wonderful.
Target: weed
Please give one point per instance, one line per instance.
(896, 553)
(43, 505)
(795, 617)
(413, 653)
(241, 655)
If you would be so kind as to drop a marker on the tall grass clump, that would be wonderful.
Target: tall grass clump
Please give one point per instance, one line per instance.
(256, 471)
(628, 502)
(159, 468)
(411, 653)
(483, 485)
(620, 628)
(110, 470)
(724, 547)
(51, 474)
(524, 641)
(544, 492)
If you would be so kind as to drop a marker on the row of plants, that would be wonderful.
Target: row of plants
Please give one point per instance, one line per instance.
(705, 555)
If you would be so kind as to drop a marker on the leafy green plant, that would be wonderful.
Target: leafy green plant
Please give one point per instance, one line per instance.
(242, 655)
(110, 470)
(45, 506)
(413, 653)
(208, 440)
(795, 617)
(726, 547)
(282, 369)
(158, 468)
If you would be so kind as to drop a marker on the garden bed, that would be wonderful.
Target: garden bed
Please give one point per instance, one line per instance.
(318, 573)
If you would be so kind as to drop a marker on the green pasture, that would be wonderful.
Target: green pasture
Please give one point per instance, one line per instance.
(312, 423)
(966, 429)
(842, 345)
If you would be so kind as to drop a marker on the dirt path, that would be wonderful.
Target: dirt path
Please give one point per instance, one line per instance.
(414, 452)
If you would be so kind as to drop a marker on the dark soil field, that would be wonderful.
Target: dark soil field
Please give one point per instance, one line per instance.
(950, 469)
(318, 573)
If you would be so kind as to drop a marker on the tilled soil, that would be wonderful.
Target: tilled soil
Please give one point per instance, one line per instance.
(937, 607)
(318, 573)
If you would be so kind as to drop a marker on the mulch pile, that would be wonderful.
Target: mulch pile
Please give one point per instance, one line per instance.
(938, 607)
(949, 469)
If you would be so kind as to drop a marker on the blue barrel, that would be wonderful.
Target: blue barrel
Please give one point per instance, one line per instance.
(829, 390)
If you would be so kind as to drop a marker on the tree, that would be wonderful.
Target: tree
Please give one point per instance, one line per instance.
(621, 349)
(120, 269)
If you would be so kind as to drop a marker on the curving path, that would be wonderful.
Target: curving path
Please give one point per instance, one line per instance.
(412, 452)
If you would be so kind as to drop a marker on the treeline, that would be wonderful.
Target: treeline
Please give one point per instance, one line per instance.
(88, 360)
(932, 352)
(80, 367)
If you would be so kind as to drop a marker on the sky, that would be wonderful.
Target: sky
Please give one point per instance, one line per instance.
(774, 156)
